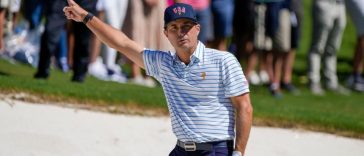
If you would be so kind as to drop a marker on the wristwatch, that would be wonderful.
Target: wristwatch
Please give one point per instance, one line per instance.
(237, 153)
(87, 18)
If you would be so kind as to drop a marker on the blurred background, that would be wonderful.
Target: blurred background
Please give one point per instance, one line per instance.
(303, 59)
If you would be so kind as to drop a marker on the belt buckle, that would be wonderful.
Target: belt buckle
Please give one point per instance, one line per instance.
(190, 146)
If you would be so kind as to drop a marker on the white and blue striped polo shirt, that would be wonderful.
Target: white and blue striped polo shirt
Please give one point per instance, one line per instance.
(198, 94)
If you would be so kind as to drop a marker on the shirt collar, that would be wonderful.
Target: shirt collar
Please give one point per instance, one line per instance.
(196, 57)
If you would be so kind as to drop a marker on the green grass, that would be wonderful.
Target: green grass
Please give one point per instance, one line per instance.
(343, 115)
(332, 113)
(18, 77)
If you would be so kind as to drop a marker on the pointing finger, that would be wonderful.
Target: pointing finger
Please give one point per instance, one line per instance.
(71, 2)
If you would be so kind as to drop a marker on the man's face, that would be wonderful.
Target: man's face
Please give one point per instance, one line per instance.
(182, 33)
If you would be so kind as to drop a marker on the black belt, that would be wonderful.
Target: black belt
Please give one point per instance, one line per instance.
(207, 146)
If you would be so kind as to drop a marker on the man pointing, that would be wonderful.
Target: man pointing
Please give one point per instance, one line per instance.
(206, 90)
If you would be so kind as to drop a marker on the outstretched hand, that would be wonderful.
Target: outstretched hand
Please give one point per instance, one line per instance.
(74, 12)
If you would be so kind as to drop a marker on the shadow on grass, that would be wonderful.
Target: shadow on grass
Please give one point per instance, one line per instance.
(3, 74)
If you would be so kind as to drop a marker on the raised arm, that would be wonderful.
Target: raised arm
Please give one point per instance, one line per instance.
(244, 117)
(107, 34)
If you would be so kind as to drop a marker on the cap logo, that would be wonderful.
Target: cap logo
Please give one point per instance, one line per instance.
(179, 10)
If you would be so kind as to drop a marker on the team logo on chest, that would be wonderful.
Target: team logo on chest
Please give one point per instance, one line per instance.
(203, 75)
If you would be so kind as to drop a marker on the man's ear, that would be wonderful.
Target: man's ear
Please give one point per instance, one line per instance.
(165, 33)
(198, 27)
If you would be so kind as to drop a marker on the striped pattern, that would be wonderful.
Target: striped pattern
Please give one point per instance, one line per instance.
(198, 94)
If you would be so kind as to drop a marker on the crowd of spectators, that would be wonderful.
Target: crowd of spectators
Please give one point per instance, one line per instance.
(264, 35)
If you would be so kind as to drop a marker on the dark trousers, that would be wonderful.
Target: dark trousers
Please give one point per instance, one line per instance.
(55, 23)
(216, 151)
(81, 51)
(272, 17)
(32, 11)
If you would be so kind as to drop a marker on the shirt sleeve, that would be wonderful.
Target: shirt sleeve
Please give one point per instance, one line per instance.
(233, 78)
(152, 62)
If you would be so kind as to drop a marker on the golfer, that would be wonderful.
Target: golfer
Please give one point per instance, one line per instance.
(206, 90)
